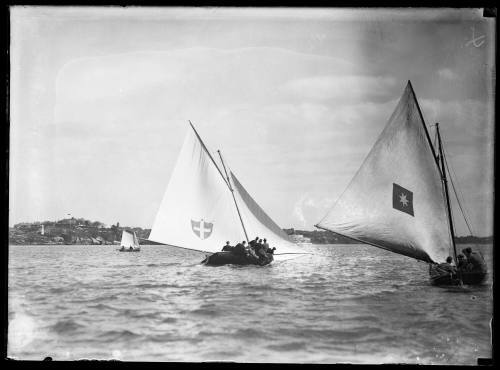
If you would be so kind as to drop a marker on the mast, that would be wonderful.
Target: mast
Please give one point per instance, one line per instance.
(234, 198)
(441, 168)
(425, 126)
(445, 182)
(209, 155)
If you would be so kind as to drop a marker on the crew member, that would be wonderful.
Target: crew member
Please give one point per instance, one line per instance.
(240, 248)
(447, 266)
(462, 262)
(252, 243)
(227, 247)
(266, 246)
(474, 260)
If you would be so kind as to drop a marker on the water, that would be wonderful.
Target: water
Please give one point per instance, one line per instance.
(347, 303)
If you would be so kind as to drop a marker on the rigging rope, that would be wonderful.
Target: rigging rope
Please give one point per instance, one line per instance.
(449, 166)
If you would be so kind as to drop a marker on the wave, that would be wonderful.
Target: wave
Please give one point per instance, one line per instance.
(169, 320)
(149, 285)
(66, 326)
(355, 334)
(161, 264)
(290, 346)
(102, 306)
(58, 290)
(96, 299)
(248, 333)
(138, 315)
(205, 312)
(119, 335)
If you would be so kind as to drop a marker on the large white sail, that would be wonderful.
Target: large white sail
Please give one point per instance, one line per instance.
(129, 240)
(197, 210)
(258, 223)
(395, 201)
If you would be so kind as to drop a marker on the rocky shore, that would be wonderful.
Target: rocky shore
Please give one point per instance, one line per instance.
(70, 231)
(81, 231)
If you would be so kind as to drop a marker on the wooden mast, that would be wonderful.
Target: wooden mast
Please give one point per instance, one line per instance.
(445, 182)
(234, 198)
(208, 153)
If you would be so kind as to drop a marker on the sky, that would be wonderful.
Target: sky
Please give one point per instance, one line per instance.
(100, 99)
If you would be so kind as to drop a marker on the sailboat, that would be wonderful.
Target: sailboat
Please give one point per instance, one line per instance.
(206, 205)
(129, 242)
(399, 201)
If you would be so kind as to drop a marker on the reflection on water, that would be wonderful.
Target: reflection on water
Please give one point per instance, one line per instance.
(345, 303)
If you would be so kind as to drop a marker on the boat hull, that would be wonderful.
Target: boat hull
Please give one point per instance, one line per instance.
(230, 258)
(128, 250)
(440, 277)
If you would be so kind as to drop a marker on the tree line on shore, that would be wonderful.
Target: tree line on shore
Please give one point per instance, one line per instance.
(326, 237)
(82, 231)
(70, 231)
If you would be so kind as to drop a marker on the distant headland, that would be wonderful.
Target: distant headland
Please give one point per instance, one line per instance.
(81, 231)
(326, 237)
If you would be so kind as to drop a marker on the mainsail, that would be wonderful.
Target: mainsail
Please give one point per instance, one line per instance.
(129, 239)
(198, 211)
(396, 201)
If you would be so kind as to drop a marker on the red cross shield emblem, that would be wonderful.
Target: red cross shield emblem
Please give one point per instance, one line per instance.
(202, 229)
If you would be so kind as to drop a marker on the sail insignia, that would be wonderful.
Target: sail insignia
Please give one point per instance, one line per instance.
(402, 199)
(202, 229)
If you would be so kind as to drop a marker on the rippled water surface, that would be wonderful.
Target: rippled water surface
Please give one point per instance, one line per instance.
(346, 303)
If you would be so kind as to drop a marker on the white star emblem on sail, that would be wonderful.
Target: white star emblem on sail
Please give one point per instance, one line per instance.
(402, 199)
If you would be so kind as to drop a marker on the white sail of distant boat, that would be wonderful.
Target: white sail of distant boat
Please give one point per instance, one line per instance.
(198, 210)
(129, 240)
(396, 199)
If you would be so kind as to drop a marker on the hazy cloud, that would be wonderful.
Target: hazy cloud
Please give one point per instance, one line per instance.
(447, 74)
(341, 89)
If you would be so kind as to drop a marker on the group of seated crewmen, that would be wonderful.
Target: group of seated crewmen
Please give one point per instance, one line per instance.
(468, 261)
(257, 248)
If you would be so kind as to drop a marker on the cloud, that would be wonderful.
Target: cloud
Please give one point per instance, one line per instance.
(298, 212)
(341, 88)
(462, 121)
(447, 74)
(309, 209)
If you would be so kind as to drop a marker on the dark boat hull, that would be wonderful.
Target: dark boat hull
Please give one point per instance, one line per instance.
(128, 250)
(230, 258)
(440, 277)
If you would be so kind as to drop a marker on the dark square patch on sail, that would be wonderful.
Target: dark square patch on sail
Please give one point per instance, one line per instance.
(402, 199)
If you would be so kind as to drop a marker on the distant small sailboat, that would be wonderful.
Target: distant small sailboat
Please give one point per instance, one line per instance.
(398, 200)
(202, 209)
(129, 242)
